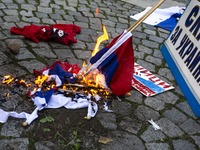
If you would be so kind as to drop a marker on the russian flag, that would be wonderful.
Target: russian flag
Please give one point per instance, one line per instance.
(116, 63)
(164, 18)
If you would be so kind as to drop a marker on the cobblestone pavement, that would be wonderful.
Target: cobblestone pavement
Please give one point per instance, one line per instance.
(128, 126)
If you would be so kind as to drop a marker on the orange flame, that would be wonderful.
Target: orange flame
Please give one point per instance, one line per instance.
(99, 40)
(8, 81)
(40, 79)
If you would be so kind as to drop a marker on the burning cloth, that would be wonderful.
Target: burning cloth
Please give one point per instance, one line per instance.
(62, 33)
(116, 63)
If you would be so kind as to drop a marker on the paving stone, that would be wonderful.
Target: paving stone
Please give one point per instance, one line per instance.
(123, 141)
(7, 25)
(18, 143)
(196, 139)
(88, 14)
(21, 24)
(144, 113)
(2, 6)
(13, 127)
(169, 128)
(64, 53)
(48, 21)
(55, 16)
(81, 19)
(156, 61)
(163, 35)
(41, 15)
(44, 9)
(28, 7)
(69, 18)
(20, 1)
(144, 49)
(24, 54)
(31, 19)
(59, 11)
(154, 103)
(83, 54)
(175, 116)
(184, 106)
(139, 35)
(190, 126)
(32, 64)
(150, 67)
(63, 22)
(135, 97)
(12, 6)
(55, 6)
(46, 145)
(25, 13)
(44, 52)
(78, 45)
(156, 39)
(81, 24)
(158, 54)
(3, 46)
(167, 97)
(75, 61)
(42, 45)
(10, 12)
(178, 90)
(152, 135)
(139, 55)
(84, 38)
(108, 120)
(11, 102)
(130, 125)
(7, 1)
(4, 59)
(183, 145)
(120, 107)
(13, 70)
(157, 146)
(150, 44)
(11, 18)
(150, 32)
(166, 73)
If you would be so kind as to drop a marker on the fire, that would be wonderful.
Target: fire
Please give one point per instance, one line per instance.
(99, 40)
(7, 80)
(40, 79)
(93, 79)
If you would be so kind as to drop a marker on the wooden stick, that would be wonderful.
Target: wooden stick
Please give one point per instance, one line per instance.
(138, 22)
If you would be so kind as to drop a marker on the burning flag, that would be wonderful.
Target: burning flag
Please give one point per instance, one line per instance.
(116, 63)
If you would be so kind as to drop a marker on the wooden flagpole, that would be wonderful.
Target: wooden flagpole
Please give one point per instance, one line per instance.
(138, 22)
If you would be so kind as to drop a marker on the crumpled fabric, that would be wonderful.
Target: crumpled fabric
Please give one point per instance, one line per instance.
(63, 33)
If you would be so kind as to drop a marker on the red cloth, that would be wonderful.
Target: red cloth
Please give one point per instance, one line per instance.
(63, 33)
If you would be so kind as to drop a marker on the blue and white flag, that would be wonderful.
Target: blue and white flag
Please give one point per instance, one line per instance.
(163, 18)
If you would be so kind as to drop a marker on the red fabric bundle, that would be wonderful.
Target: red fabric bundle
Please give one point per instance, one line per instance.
(63, 33)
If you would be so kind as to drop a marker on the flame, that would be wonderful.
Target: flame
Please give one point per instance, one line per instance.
(40, 79)
(6, 77)
(99, 40)
(8, 81)
(91, 79)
